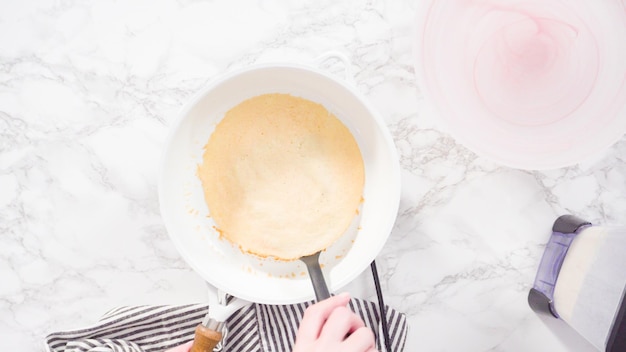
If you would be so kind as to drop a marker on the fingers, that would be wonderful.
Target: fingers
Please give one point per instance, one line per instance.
(341, 322)
(316, 315)
(361, 339)
(330, 325)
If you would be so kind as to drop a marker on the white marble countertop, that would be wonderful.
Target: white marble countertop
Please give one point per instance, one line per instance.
(89, 89)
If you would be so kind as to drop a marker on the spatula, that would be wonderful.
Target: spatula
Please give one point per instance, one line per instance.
(317, 277)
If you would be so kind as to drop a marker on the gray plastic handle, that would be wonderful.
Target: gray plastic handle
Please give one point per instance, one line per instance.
(316, 275)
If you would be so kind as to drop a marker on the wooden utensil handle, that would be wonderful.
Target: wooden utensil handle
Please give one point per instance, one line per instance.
(205, 339)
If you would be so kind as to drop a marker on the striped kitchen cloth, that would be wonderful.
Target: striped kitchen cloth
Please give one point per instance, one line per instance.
(254, 328)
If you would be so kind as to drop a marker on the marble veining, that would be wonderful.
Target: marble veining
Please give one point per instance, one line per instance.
(89, 89)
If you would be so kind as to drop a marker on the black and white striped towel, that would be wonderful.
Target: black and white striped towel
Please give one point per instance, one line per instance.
(255, 328)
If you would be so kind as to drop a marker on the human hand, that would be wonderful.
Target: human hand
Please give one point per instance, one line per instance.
(331, 326)
(182, 348)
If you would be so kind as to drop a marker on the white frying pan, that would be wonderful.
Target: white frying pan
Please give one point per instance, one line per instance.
(224, 265)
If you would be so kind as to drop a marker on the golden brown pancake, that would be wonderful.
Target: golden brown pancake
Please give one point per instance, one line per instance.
(282, 176)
